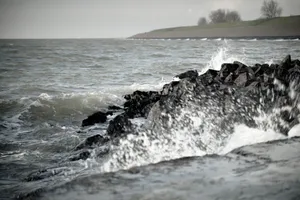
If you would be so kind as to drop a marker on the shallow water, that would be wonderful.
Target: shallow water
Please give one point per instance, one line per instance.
(47, 87)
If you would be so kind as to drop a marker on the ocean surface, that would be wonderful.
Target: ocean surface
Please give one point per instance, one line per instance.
(47, 87)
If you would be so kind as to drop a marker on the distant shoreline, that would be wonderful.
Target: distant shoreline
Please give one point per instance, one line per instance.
(224, 38)
(276, 28)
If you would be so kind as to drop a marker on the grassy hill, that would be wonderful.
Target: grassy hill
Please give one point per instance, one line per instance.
(275, 27)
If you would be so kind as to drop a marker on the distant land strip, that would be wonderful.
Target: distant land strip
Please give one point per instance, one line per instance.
(275, 28)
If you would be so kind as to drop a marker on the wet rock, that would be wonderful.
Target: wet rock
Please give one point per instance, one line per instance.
(93, 140)
(226, 69)
(208, 77)
(296, 63)
(139, 103)
(188, 74)
(263, 69)
(82, 156)
(296, 68)
(282, 74)
(241, 80)
(98, 117)
(241, 65)
(119, 125)
(229, 78)
(253, 86)
(287, 61)
(113, 107)
(168, 88)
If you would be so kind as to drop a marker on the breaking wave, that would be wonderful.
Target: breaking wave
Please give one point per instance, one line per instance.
(152, 143)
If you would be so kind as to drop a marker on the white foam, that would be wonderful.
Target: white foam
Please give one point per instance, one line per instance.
(244, 135)
(152, 146)
(253, 40)
(137, 86)
(295, 131)
(221, 57)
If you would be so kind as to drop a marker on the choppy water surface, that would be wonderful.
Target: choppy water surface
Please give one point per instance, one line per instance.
(47, 87)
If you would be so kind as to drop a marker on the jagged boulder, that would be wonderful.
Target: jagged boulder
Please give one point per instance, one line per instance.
(139, 103)
(188, 74)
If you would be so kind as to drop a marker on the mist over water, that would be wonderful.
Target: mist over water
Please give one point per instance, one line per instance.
(47, 87)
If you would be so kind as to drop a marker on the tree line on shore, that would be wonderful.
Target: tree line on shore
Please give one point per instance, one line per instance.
(269, 9)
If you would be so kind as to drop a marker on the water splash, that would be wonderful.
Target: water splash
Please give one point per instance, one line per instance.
(222, 56)
(194, 131)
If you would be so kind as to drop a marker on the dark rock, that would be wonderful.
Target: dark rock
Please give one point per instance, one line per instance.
(282, 74)
(229, 78)
(114, 108)
(274, 66)
(244, 69)
(296, 68)
(296, 63)
(188, 74)
(167, 88)
(82, 156)
(139, 95)
(93, 140)
(207, 78)
(98, 117)
(241, 65)
(294, 77)
(226, 69)
(119, 125)
(241, 80)
(287, 116)
(252, 86)
(256, 67)
(264, 69)
(287, 61)
(139, 103)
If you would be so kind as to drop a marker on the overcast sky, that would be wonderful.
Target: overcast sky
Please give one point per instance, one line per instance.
(114, 18)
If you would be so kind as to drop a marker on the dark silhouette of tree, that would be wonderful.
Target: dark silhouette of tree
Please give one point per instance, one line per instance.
(202, 21)
(217, 16)
(271, 9)
(233, 16)
(222, 15)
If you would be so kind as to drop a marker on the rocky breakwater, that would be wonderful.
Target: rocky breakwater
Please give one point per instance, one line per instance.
(209, 105)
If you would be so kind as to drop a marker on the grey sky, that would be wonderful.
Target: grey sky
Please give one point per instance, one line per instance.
(113, 18)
